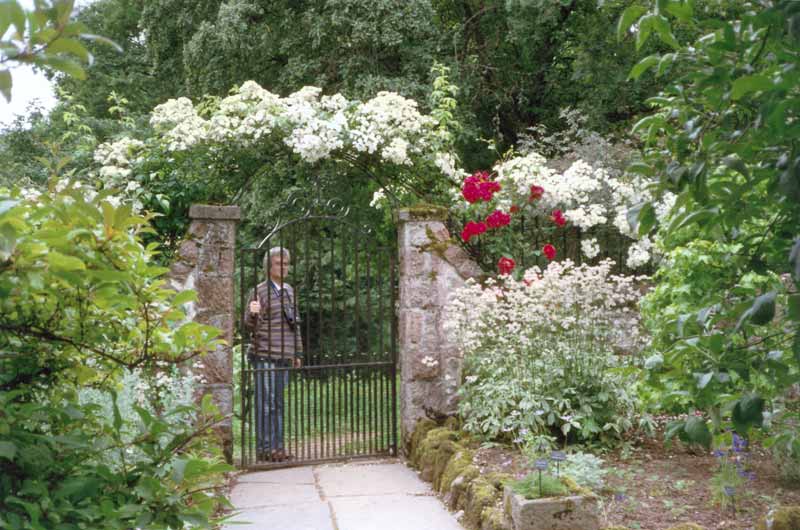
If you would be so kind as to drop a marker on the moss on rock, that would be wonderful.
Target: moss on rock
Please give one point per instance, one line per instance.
(481, 495)
(424, 211)
(433, 461)
(459, 487)
(574, 487)
(687, 526)
(421, 430)
(452, 423)
(493, 518)
(783, 518)
(455, 467)
(434, 453)
(499, 479)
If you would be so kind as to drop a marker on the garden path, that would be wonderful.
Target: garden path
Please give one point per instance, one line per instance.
(364, 495)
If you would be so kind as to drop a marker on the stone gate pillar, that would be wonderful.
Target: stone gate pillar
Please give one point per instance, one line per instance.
(205, 263)
(431, 267)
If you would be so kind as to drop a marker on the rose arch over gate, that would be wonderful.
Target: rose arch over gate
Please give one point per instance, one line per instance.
(386, 138)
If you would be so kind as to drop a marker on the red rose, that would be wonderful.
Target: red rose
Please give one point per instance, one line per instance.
(488, 188)
(479, 186)
(471, 192)
(549, 251)
(472, 229)
(506, 265)
(558, 218)
(497, 219)
(514, 208)
(536, 193)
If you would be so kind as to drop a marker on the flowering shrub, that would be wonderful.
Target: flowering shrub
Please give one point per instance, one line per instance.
(313, 126)
(584, 197)
(381, 152)
(540, 352)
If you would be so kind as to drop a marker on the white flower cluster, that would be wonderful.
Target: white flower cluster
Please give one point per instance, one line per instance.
(537, 352)
(588, 197)
(590, 247)
(448, 165)
(429, 361)
(514, 315)
(313, 126)
(116, 159)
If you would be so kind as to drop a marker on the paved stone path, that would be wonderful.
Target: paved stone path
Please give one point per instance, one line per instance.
(383, 495)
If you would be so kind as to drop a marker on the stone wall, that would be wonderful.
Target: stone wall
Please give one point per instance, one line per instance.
(205, 263)
(431, 267)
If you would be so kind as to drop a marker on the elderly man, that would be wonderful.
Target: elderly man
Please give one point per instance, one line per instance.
(277, 346)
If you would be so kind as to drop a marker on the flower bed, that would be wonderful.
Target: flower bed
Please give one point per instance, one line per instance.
(651, 488)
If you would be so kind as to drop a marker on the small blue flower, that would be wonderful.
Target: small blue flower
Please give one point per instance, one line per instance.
(739, 443)
(719, 453)
(729, 490)
(619, 496)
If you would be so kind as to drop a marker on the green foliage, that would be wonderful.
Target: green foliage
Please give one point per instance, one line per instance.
(126, 70)
(529, 487)
(724, 136)
(80, 300)
(585, 469)
(518, 63)
(45, 36)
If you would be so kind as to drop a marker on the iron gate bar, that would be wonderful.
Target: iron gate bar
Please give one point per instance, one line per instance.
(393, 278)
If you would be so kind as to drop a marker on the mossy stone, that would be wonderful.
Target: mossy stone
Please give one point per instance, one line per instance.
(434, 459)
(480, 495)
(493, 518)
(423, 212)
(434, 452)
(687, 526)
(499, 479)
(421, 430)
(460, 485)
(452, 423)
(455, 467)
(783, 518)
(438, 247)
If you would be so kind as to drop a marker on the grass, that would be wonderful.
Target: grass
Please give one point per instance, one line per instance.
(346, 414)
(530, 488)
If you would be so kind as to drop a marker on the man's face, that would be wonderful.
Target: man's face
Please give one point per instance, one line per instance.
(278, 266)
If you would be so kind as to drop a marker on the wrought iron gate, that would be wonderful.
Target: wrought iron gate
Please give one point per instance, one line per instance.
(338, 309)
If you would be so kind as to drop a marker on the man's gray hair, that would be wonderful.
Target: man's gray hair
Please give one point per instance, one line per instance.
(274, 251)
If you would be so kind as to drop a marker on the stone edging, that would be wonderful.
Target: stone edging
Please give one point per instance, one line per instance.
(435, 452)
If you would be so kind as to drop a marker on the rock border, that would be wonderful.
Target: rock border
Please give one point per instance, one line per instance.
(438, 456)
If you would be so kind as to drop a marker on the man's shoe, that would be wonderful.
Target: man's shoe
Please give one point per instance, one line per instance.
(280, 455)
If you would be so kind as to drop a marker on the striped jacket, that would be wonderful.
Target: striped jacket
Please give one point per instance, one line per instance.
(274, 337)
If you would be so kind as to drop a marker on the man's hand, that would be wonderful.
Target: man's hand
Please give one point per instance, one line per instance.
(255, 307)
(297, 362)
